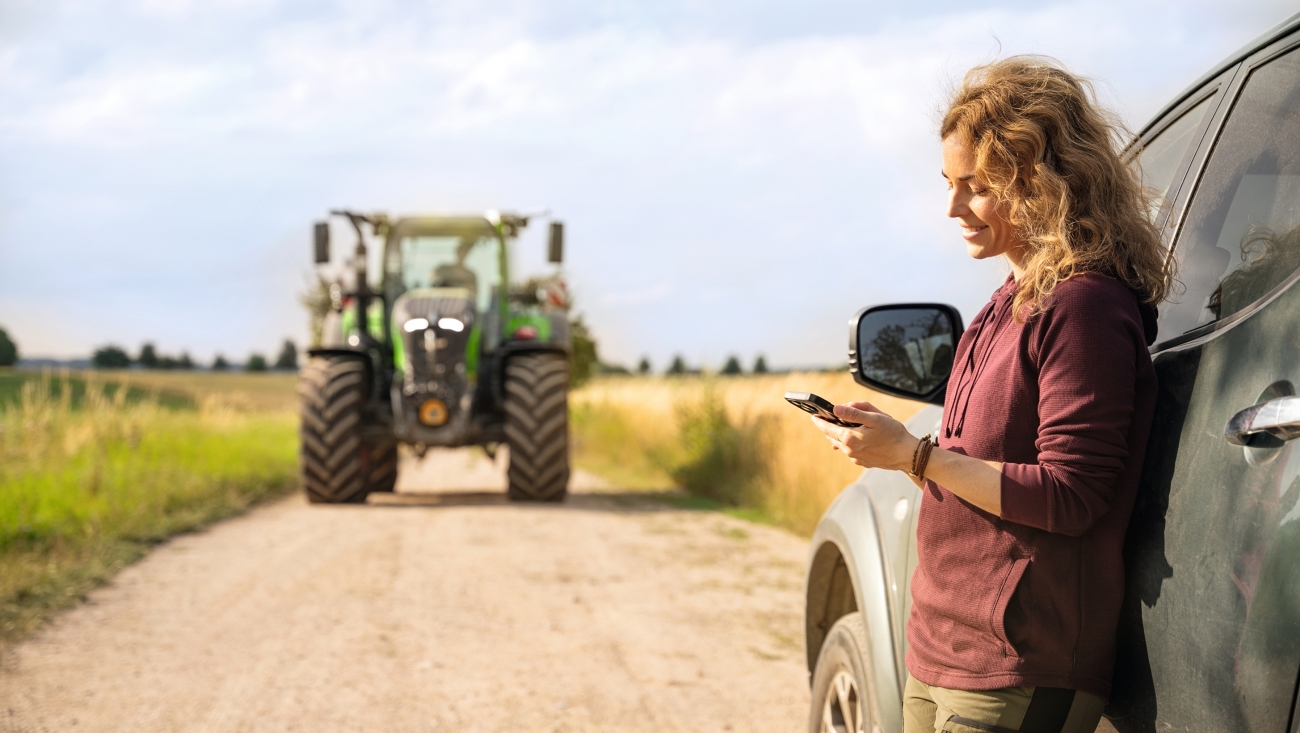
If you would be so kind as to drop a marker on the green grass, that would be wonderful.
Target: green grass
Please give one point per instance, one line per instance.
(720, 461)
(88, 483)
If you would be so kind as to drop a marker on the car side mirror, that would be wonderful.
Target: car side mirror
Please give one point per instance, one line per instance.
(555, 245)
(905, 349)
(322, 242)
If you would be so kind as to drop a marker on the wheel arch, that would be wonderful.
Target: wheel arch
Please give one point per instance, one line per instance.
(361, 356)
(846, 573)
(830, 596)
(497, 369)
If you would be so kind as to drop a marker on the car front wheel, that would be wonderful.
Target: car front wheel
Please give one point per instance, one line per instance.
(843, 694)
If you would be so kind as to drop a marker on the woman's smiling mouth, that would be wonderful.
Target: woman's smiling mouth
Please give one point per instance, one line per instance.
(969, 232)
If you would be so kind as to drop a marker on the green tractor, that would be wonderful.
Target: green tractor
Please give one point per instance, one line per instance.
(446, 351)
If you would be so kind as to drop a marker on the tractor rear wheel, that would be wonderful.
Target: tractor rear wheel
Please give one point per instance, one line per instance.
(537, 426)
(335, 462)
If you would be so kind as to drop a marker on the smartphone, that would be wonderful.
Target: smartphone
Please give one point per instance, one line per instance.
(817, 405)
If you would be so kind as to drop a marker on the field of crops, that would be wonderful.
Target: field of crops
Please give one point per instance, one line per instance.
(96, 468)
(733, 440)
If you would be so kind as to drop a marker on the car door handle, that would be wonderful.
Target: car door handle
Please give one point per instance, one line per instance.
(1279, 418)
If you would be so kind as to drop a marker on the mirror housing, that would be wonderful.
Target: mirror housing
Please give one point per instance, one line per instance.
(322, 242)
(555, 243)
(905, 349)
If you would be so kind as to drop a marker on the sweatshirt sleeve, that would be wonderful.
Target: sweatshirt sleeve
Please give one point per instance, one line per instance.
(1087, 357)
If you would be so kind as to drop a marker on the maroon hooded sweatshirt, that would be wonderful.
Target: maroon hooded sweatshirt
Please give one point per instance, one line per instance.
(1065, 402)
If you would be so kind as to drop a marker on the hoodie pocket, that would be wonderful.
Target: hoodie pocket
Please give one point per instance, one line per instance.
(1008, 589)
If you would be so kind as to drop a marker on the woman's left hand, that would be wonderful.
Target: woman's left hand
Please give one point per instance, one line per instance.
(880, 441)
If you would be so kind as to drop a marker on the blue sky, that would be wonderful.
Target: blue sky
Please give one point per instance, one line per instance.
(736, 177)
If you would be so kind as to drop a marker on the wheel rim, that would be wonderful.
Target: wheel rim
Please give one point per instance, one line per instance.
(842, 708)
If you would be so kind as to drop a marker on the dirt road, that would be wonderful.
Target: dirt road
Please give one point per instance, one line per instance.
(442, 608)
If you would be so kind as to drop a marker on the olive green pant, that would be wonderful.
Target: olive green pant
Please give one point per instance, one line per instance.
(929, 709)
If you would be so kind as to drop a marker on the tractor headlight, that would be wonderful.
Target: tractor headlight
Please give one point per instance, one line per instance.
(451, 324)
(415, 324)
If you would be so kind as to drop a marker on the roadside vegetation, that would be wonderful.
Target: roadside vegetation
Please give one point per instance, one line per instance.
(731, 441)
(97, 467)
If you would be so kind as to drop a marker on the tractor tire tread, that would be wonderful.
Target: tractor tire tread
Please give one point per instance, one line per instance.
(334, 461)
(537, 430)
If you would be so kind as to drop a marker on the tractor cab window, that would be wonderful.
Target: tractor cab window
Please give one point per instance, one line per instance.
(457, 262)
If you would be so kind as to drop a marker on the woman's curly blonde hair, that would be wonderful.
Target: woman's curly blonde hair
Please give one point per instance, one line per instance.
(1050, 154)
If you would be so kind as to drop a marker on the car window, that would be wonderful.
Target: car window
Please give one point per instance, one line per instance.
(1242, 236)
(1160, 158)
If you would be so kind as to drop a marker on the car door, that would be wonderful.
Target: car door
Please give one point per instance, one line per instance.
(1210, 632)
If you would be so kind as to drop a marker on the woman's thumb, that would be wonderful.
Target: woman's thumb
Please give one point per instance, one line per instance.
(850, 413)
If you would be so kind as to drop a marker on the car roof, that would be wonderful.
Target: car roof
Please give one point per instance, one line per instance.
(1264, 39)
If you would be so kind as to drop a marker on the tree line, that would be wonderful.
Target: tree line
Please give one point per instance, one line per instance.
(679, 368)
(112, 356)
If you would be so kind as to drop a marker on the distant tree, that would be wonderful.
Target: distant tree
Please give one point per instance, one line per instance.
(8, 349)
(760, 365)
(185, 362)
(288, 358)
(255, 363)
(603, 368)
(148, 356)
(678, 366)
(582, 354)
(644, 367)
(732, 367)
(220, 364)
(110, 357)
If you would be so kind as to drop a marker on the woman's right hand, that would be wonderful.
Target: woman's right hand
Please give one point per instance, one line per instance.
(879, 441)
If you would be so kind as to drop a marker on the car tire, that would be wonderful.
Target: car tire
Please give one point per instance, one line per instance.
(843, 690)
(333, 459)
(537, 426)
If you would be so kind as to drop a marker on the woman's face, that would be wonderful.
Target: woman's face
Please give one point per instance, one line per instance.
(984, 225)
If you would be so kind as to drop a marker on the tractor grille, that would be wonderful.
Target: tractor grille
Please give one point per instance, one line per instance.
(434, 363)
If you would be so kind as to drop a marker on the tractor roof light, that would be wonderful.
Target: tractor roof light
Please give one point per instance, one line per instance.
(451, 324)
(415, 324)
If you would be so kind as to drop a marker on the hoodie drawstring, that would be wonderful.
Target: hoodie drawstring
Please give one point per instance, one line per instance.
(953, 423)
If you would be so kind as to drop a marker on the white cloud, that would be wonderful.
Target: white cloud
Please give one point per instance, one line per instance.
(710, 148)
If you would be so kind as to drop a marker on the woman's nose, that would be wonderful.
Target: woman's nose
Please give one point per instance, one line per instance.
(957, 204)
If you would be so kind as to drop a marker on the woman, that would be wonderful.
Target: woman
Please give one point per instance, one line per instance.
(1027, 495)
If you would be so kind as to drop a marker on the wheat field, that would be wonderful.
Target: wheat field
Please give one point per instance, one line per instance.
(647, 432)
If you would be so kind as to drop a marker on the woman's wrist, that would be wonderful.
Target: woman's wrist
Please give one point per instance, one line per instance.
(906, 453)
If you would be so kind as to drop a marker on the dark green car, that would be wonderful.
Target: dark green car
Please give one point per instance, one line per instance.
(1209, 637)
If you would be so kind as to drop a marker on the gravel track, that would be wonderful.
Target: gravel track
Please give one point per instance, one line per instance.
(440, 607)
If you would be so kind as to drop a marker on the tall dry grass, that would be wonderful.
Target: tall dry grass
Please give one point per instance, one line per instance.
(93, 472)
(731, 439)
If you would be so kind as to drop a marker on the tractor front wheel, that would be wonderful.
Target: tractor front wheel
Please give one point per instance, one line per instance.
(335, 462)
(537, 426)
(382, 463)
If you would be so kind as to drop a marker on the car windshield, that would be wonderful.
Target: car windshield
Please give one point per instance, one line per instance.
(466, 262)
